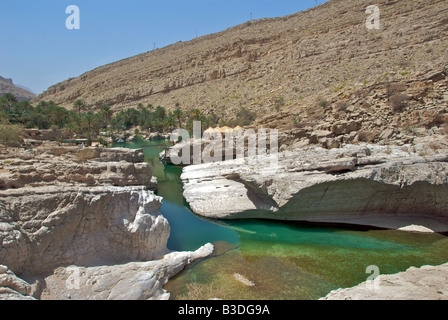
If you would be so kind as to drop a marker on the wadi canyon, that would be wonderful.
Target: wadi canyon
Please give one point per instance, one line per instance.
(362, 117)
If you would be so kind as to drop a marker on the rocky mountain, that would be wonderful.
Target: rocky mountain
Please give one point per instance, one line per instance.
(7, 86)
(319, 68)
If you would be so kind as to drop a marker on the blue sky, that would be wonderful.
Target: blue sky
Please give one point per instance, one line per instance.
(37, 50)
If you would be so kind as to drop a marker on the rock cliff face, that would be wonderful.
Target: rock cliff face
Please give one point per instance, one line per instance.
(45, 228)
(358, 184)
(63, 208)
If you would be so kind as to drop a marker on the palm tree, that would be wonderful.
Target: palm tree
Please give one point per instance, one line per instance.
(169, 121)
(57, 115)
(145, 114)
(107, 113)
(76, 122)
(89, 119)
(160, 113)
(178, 114)
(79, 104)
(115, 124)
(197, 114)
(23, 109)
(7, 101)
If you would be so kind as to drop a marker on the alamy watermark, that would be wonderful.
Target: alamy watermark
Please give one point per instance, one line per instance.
(73, 21)
(373, 282)
(373, 20)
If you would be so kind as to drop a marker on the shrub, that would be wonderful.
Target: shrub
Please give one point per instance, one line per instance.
(9, 134)
(399, 102)
(278, 103)
(323, 103)
(244, 117)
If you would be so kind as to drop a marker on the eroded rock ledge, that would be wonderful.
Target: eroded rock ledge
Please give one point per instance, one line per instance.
(384, 186)
(51, 164)
(44, 228)
(90, 210)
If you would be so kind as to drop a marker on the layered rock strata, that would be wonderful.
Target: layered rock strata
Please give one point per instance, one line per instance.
(384, 186)
(12, 287)
(51, 164)
(89, 210)
(44, 228)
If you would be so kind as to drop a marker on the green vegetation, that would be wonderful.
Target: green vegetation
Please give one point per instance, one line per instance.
(278, 103)
(244, 117)
(323, 103)
(399, 102)
(88, 123)
(9, 133)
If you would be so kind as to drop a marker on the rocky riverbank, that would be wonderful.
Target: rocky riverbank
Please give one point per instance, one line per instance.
(366, 184)
(52, 164)
(425, 283)
(87, 217)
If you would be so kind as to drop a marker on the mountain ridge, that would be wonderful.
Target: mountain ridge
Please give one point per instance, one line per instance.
(305, 63)
(8, 86)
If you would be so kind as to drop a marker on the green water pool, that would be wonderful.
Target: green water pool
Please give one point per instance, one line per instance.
(287, 261)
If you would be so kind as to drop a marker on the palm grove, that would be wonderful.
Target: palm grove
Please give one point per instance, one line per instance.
(88, 124)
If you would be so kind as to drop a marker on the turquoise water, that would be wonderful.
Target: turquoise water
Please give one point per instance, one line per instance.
(188, 231)
(284, 260)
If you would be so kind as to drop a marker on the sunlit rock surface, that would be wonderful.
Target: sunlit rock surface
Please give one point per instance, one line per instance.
(384, 186)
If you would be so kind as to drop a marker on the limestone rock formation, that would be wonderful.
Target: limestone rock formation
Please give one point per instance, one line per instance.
(12, 287)
(44, 228)
(132, 281)
(115, 236)
(363, 184)
(57, 165)
(425, 283)
(90, 209)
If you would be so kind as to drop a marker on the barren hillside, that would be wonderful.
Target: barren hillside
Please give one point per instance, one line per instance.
(313, 68)
(7, 86)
